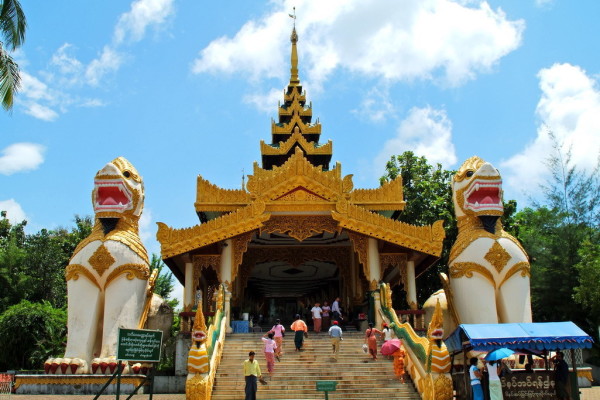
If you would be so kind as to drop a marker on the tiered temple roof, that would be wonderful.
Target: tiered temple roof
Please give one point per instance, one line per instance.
(294, 127)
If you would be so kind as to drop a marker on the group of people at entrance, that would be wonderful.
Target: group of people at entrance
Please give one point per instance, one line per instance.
(323, 315)
(273, 350)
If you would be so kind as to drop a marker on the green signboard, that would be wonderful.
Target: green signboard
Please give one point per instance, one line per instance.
(139, 345)
(326, 386)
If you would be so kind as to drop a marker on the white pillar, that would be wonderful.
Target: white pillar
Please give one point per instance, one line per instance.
(226, 262)
(411, 289)
(189, 288)
(374, 263)
(375, 276)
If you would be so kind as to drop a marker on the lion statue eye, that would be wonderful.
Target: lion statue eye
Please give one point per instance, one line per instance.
(126, 174)
(470, 173)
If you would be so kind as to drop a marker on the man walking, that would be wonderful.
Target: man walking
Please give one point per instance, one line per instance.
(336, 337)
(301, 330)
(335, 310)
(251, 374)
(561, 376)
(316, 317)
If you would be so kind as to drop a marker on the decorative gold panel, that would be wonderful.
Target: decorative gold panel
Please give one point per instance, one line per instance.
(296, 138)
(240, 246)
(522, 267)
(300, 227)
(426, 239)
(396, 260)
(361, 248)
(201, 261)
(74, 270)
(497, 256)
(389, 196)
(460, 269)
(131, 271)
(300, 195)
(312, 129)
(179, 241)
(210, 197)
(101, 260)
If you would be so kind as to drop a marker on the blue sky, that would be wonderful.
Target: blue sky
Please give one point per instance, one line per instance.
(187, 88)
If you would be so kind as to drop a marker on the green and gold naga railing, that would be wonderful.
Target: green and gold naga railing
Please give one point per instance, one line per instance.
(427, 361)
(200, 385)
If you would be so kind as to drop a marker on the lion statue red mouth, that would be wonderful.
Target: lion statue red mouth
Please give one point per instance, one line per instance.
(484, 195)
(112, 195)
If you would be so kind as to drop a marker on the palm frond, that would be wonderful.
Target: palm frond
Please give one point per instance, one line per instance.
(12, 23)
(10, 80)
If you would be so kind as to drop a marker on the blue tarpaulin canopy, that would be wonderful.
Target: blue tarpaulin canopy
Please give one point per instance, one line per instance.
(524, 336)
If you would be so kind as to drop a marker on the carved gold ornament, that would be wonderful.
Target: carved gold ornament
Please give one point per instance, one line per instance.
(210, 197)
(296, 138)
(131, 271)
(300, 227)
(426, 239)
(202, 261)
(240, 246)
(497, 256)
(101, 260)
(179, 241)
(74, 270)
(361, 247)
(443, 387)
(72, 380)
(466, 269)
(522, 267)
(396, 260)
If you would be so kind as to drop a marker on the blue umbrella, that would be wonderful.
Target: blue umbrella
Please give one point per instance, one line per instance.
(499, 354)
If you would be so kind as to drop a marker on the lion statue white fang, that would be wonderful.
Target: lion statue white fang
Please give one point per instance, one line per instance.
(107, 276)
(489, 269)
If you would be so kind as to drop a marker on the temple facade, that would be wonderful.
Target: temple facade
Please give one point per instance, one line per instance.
(298, 231)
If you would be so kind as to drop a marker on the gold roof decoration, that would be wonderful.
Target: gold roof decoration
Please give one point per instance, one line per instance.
(427, 239)
(210, 197)
(389, 196)
(286, 128)
(309, 148)
(178, 241)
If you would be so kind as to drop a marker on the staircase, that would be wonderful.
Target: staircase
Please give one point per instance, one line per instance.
(295, 375)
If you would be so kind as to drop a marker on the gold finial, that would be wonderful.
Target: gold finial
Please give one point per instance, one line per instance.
(294, 80)
(199, 324)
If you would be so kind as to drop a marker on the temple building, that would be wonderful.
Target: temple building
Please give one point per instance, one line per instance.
(298, 232)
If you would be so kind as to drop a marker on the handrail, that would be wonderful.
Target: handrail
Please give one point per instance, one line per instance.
(200, 386)
(432, 382)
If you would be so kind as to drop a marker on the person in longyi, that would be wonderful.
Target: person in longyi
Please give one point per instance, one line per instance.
(301, 330)
(251, 374)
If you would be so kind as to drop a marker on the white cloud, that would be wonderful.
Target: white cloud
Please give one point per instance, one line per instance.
(264, 102)
(376, 106)
(20, 157)
(145, 224)
(14, 212)
(39, 111)
(143, 13)
(376, 38)
(66, 72)
(108, 61)
(426, 132)
(569, 107)
(544, 3)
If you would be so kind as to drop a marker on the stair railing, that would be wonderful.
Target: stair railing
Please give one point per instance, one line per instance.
(200, 386)
(428, 361)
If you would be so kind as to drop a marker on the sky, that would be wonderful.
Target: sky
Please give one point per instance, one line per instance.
(187, 88)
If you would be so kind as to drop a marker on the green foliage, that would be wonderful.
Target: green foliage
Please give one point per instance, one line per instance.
(12, 35)
(164, 281)
(30, 333)
(561, 238)
(428, 196)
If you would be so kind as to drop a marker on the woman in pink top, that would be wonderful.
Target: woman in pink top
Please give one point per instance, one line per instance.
(278, 332)
(270, 347)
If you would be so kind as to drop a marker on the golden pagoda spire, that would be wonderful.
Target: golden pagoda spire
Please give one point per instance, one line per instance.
(294, 80)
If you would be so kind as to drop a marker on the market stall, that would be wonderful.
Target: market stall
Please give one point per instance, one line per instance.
(527, 338)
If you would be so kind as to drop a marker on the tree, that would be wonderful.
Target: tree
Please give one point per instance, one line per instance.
(12, 32)
(30, 333)
(164, 281)
(558, 233)
(428, 196)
